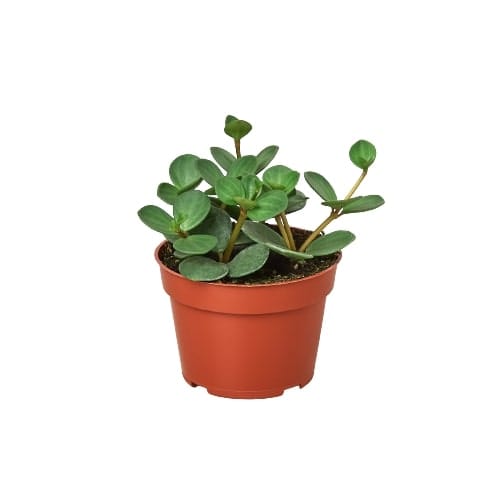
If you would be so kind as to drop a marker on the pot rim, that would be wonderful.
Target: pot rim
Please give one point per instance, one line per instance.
(236, 285)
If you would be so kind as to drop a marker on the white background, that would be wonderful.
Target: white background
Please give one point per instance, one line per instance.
(97, 98)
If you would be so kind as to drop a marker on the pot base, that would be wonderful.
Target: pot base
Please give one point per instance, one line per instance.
(234, 394)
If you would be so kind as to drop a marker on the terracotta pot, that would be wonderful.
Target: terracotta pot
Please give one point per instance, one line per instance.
(247, 341)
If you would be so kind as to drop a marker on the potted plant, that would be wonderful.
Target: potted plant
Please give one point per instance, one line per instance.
(247, 290)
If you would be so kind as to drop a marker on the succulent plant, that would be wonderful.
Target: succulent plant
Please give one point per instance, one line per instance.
(223, 229)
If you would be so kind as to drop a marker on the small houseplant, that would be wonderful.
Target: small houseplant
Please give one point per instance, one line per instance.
(247, 290)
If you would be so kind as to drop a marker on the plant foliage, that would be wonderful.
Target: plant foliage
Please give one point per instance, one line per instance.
(222, 230)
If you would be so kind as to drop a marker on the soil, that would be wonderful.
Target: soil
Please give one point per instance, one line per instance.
(277, 268)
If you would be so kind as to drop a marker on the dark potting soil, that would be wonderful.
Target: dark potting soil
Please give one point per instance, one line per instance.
(277, 268)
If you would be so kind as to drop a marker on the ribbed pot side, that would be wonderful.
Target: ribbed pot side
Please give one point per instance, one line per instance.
(247, 341)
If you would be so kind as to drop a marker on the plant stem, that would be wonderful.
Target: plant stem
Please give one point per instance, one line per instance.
(237, 146)
(288, 231)
(333, 215)
(283, 232)
(234, 236)
(356, 185)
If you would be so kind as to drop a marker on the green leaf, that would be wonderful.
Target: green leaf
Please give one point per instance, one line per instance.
(229, 188)
(265, 157)
(167, 192)
(330, 243)
(337, 203)
(199, 268)
(260, 233)
(296, 201)
(363, 204)
(252, 186)
(218, 224)
(190, 209)
(281, 178)
(230, 118)
(224, 158)
(180, 255)
(291, 254)
(246, 165)
(269, 205)
(362, 154)
(184, 172)
(210, 191)
(209, 171)
(237, 128)
(248, 261)
(196, 244)
(157, 219)
(322, 187)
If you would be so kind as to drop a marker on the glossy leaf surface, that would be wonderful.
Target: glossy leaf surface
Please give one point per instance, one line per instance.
(190, 208)
(246, 165)
(320, 185)
(330, 243)
(184, 172)
(229, 188)
(237, 129)
(281, 178)
(196, 244)
(260, 233)
(199, 268)
(218, 224)
(269, 205)
(157, 219)
(362, 154)
(363, 204)
(296, 201)
(265, 157)
(209, 171)
(167, 192)
(248, 261)
(224, 158)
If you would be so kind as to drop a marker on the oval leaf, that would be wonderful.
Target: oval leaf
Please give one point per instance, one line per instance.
(157, 219)
(246, 165)
(363, 204)
(296, 201)
(265, 157)
(322, 187)
(252, 186)
(248, 261)
(224, 158)
(184, 172)
(337, 203)
(218, 224)
(362, 154)
(167, 192)
(190, 209)
(196, 244)
(330, 243)
(199, 268)
(180, 255)
(291, 254)
(209, 171)
(269, 205)
(237, 128)
(281, 178)
(260, 233)
(229, 188)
